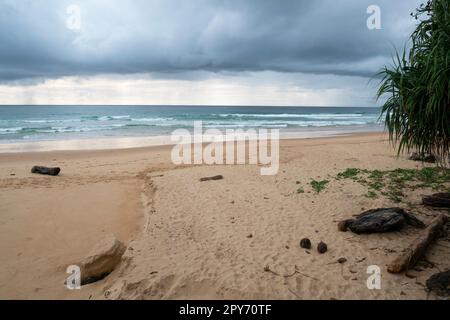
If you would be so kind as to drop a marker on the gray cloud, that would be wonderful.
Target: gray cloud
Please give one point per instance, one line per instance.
(171, 37)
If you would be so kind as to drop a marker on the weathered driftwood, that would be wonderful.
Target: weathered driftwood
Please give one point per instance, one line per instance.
(415, 252)
(219, 177)
(46, 170)
(439, 283)
(437, 200)
(380, 221)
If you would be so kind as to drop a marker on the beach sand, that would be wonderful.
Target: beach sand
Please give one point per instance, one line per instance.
(188, 239)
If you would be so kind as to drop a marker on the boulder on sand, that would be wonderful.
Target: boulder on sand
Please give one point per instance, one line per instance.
(380, 220)
(440, 283)
(46, 170)
(102, 260)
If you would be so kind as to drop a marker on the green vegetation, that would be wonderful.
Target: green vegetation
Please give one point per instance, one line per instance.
(371, 195)
(392, 183)
(300, 190)
(417, 87)
(318, 186)
(349, 173)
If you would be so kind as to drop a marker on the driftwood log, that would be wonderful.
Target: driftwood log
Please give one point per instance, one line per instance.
(437, 200)
(46, 170)
(219, 177)
(415, 252)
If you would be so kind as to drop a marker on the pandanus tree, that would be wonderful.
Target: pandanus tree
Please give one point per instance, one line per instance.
(417, 86)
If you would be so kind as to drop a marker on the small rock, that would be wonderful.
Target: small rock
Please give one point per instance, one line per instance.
(305, 243)
(250, 236)
(342, 260)
(322, 247)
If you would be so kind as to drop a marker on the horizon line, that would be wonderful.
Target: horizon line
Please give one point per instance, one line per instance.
(178, 105)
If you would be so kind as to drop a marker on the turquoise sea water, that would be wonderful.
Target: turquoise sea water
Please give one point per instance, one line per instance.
(41, 123)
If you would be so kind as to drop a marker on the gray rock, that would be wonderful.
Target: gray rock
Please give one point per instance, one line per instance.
(440, 283)
(46, 170)
(423, 157)
(382, 220)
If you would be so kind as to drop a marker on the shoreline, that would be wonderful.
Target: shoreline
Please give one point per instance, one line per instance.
(118, 143)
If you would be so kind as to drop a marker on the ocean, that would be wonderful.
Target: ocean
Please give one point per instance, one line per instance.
(54, 123)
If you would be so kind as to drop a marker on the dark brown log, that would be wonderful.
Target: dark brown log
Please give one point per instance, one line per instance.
(437, 200)
(418, 248)
(219, 177)
(46, 170)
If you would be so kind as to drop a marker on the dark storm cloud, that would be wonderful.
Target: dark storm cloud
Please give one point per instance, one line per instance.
(162, 36)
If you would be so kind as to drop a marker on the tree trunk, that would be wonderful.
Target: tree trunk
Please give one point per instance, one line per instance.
(418, 248)
(438, 200)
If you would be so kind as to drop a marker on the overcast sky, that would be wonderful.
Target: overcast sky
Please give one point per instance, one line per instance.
(218, 52)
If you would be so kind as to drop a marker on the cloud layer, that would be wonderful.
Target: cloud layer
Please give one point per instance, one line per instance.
(178, 38)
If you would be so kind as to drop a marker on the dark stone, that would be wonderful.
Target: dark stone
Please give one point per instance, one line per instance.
(219, 177)
(305, 243)
(380, 221)
(440, 283)
(322, 247)
(422, 157)
(342, 260)
(437, 200)
(46, 170)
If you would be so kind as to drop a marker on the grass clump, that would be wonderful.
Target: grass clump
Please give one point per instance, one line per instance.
(300, 190)
(393, 183)
(319, 186)
(349, 173)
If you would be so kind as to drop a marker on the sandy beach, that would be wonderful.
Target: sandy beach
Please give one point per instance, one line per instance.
(237, 238)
